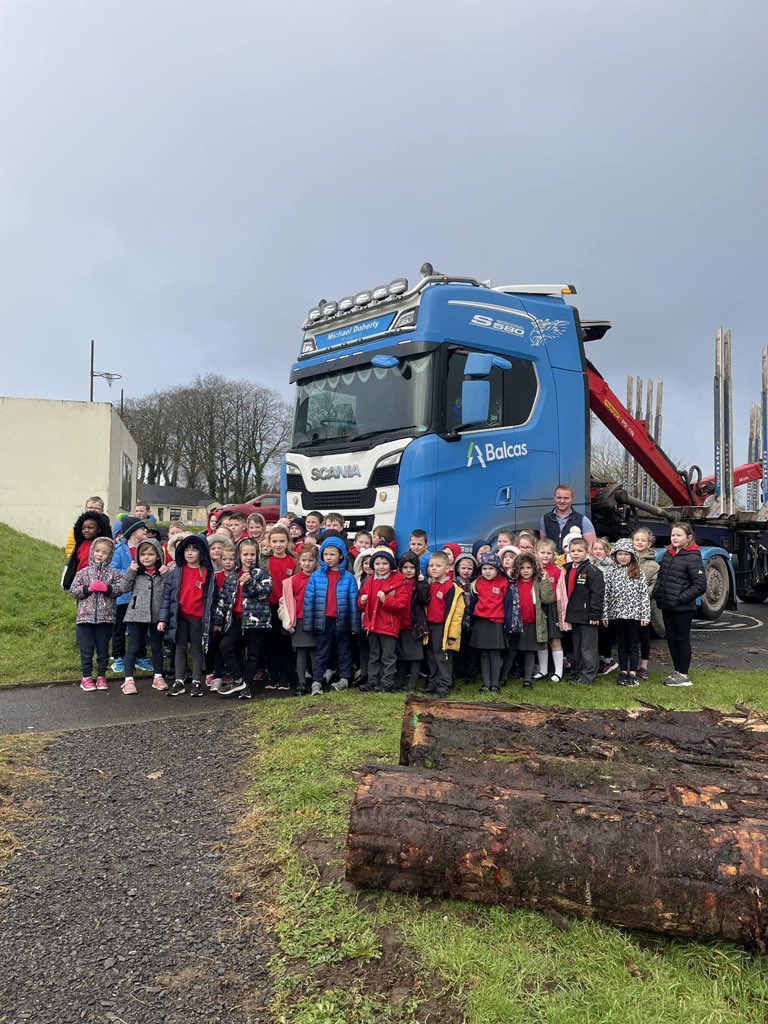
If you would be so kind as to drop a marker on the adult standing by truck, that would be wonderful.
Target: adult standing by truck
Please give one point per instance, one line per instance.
(563, 517)
(681, 580)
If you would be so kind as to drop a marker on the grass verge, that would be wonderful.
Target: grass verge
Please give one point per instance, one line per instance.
(18, 757)
(350, 958)
(36, 616)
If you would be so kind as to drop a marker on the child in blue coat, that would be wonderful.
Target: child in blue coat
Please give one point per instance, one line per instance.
(331, 613)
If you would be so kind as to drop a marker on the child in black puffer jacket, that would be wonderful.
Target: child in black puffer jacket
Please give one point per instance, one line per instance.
(680, 582)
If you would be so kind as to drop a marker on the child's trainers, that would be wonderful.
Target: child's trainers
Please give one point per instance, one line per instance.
(197, 688)
(623, 679)
(632, 680)
(176, 688)
(87, 684)
(245, 694)
(145, 664)
(317, 689)
(159, 683)
(118, 666)
(216, 684)
(129, 687)
(642, 673)
(340, 684)
(209, 680)
(102, 684)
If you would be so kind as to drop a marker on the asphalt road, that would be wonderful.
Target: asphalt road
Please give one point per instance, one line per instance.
(66, 707)
(738, 640)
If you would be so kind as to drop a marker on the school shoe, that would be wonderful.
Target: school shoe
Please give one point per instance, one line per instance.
(340, 684)
(101, 683)
(245, 694)
(317, 689)
(233, 686)
(538, 675)
(159, 683)
(527, 684)
(176, 688)
(118, 666)
(129, 687)
(145, 665)
(197, 689)
(607, 665)
(555, 678)
(678, 679)
(87, 684)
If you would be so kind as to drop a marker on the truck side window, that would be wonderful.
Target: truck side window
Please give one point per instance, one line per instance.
(513, 392)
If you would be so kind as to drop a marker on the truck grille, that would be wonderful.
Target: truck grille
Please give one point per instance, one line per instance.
(339, 501)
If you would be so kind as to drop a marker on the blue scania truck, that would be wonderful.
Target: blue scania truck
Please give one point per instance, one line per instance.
(458, 407)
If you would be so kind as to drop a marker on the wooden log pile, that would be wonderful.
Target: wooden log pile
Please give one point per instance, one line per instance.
(648, 819)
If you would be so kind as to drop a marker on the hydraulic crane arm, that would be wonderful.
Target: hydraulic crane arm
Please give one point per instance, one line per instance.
(633, 435)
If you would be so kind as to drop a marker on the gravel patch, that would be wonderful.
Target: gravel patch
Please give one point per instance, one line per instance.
(120, 908)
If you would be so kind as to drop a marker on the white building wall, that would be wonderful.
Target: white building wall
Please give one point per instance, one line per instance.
(54, 455)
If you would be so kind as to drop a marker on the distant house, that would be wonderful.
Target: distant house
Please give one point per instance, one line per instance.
(178, 504)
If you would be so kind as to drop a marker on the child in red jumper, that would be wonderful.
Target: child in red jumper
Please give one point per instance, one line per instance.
(382, 602)
(413, 622)
(185, 612)
(490, 608)
(445, 613)
(292, 610)
(280, 563)
(535, 592)
(242, 612)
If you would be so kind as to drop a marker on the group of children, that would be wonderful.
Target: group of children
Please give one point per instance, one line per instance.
(294, 606)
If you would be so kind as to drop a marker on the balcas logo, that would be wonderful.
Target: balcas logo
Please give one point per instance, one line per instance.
(490, 452)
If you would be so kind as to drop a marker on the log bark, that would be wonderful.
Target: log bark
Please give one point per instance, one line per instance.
(578, 838)
(437, 734)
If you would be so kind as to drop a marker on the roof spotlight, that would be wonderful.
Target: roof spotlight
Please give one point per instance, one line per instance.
(380, 293)
(329, 309)
(398, 286)
(315, 314)
(363, 298)
(346, 303)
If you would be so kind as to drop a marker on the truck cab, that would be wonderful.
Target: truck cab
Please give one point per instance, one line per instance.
(451, 406)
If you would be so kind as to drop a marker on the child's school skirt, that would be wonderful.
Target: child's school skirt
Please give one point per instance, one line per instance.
(487, 635)
(528, 641)
(408, 648)
(299, 638)
(553, 630)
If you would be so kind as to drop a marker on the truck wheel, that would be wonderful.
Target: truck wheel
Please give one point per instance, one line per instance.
(716, 596)
(756, 595)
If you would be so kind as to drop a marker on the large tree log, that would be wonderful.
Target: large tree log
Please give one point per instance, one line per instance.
(440, 733)
(654, 854)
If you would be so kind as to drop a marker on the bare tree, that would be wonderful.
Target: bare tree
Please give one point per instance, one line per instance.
(226, 436)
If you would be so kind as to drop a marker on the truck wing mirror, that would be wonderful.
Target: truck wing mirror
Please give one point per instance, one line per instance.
(475, 405)
(385, 362)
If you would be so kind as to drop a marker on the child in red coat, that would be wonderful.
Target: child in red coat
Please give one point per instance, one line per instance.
(382, 601)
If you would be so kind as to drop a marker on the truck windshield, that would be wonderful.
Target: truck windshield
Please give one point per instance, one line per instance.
(364, 401)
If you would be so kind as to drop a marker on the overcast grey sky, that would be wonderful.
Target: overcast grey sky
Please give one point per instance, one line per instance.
(182, 180)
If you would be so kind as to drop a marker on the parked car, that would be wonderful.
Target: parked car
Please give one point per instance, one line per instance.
(267, 504)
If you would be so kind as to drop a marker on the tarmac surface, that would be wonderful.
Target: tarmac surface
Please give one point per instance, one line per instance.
(738, 640)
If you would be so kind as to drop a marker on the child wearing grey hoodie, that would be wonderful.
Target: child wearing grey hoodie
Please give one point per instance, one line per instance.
(143, 580)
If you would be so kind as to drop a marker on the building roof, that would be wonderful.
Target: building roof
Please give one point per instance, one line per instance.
(189, 497)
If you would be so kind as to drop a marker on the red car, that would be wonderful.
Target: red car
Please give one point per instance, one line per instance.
(267, 504)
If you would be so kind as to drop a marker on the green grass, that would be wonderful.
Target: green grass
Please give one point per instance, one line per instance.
(37, 618)
(497, 967)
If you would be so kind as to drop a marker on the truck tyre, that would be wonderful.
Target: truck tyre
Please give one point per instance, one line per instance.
(715, 598)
